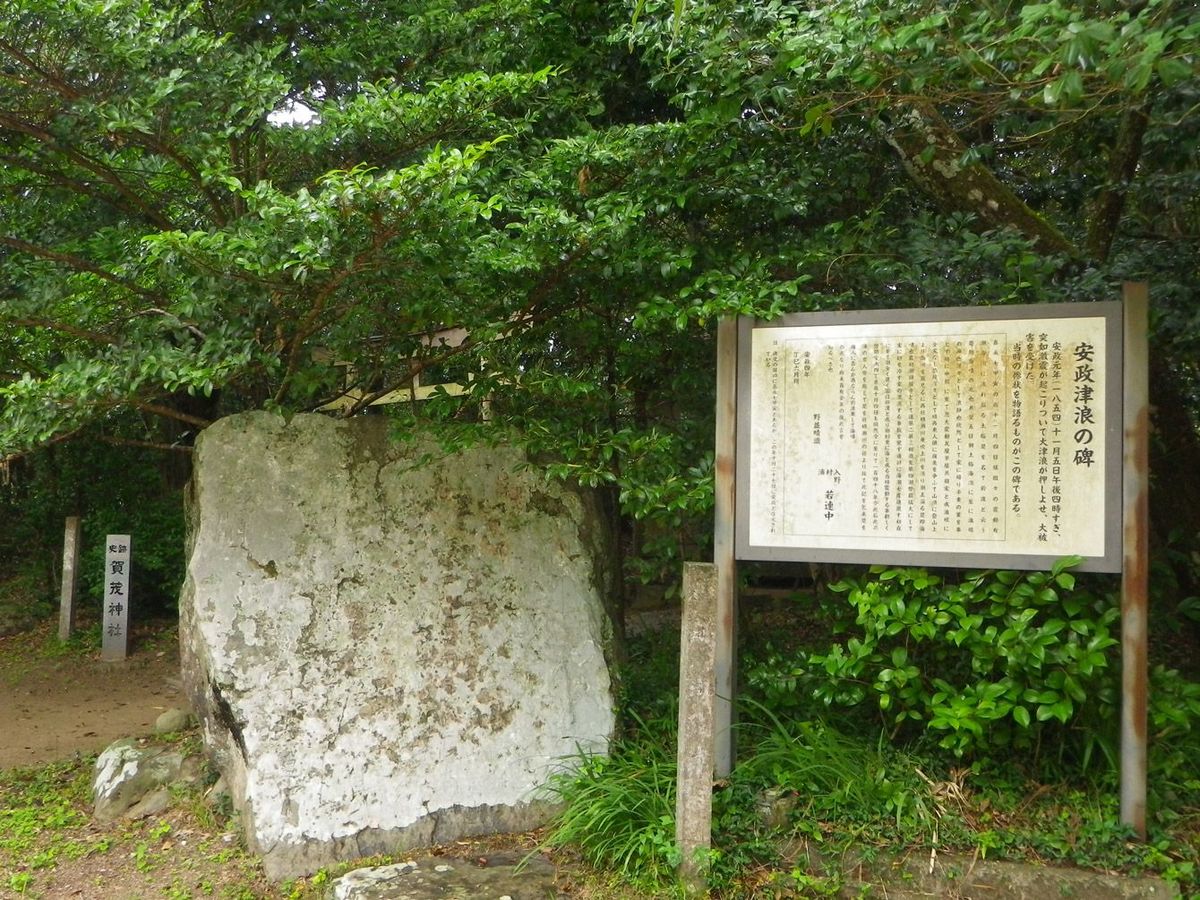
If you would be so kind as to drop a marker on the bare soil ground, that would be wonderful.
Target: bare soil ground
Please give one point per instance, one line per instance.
(59, 706)
(56, 701)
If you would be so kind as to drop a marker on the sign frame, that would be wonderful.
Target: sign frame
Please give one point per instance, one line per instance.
(1109, 561)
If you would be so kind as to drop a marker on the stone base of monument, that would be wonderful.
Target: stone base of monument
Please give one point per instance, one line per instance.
(951, 875)
(384, 651)
(507, 875)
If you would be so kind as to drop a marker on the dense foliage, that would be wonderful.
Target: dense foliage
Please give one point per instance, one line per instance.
(114, 490)
(977, 665)
(819, 796)
(211, 207)
(205, 205)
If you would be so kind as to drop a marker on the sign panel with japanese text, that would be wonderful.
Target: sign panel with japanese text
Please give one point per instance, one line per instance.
(946, 437)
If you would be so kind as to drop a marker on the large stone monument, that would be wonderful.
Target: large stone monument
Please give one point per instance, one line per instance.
(385, 654)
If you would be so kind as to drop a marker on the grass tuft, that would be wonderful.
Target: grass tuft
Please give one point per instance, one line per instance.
(619, 810)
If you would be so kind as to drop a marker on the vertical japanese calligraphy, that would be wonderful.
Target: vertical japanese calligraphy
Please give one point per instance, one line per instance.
(117, 558)
(984, 435)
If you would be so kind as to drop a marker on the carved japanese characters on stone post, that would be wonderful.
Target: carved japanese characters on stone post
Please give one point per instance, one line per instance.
(115, 599)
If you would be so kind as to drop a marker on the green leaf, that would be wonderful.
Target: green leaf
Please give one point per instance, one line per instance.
(1073, 688)
(1173, 71)
(1053, 626)
(1067, 562)
(1066, 90)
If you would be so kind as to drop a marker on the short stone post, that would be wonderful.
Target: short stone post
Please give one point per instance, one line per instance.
(114, 644)
(697, 700)
(70, 579)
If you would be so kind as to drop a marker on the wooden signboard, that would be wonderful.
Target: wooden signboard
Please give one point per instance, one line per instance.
(1006, 436)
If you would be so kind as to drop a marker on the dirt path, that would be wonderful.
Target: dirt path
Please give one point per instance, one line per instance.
(55, 703)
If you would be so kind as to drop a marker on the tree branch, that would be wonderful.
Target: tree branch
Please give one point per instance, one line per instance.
(154, 145)
(104, 172)
(167, 412)
(8, 460)
(79, 264)
(64, 88)
(1122, 167)
(149, 445)
(187, 326)
(932, 154)
(66, 328)
(60, 178)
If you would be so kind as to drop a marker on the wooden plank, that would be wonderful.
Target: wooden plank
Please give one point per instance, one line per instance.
(724, 504)
(696, 746)
(1136, 558)
(446, 338)
(401, 395)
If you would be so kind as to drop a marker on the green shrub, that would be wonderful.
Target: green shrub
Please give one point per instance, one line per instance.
(983, 664)
(1174, 725)
(116, 490)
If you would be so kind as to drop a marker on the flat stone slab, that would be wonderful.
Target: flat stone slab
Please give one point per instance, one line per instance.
(951, 875)
(499, 876)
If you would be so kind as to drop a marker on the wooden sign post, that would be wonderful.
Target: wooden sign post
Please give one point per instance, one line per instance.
(115, 637)
(70, 579)
(724, 559)
(1135, 567)
(697, 638)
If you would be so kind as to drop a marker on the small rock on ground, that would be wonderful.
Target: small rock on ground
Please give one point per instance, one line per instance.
(172, 720)
(126, 772)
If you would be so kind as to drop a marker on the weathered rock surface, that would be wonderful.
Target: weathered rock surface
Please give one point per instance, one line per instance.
(433, 877)
(128, 777)
(384, 655)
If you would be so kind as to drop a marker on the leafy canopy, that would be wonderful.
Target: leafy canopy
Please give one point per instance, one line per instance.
(204, 206)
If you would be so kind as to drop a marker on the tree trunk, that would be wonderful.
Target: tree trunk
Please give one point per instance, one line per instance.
(1122, 166)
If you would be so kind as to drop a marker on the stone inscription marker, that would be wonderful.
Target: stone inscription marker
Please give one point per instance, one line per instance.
(70, 579)
(383, 654)
(115, 644)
